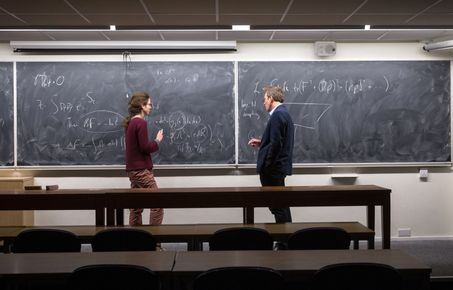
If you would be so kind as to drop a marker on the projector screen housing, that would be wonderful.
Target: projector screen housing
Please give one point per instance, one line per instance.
(122, 46)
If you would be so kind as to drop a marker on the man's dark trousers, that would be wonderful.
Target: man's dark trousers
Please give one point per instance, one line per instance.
(282, 215)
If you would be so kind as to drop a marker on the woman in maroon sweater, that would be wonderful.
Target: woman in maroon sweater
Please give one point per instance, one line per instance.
(139, 165)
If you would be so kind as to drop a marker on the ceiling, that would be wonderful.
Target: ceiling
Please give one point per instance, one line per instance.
(271, 20)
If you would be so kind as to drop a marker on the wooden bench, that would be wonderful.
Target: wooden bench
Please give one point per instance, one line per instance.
(195, 234)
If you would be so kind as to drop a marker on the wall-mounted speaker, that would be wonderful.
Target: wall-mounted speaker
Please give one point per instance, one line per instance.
(325, 48)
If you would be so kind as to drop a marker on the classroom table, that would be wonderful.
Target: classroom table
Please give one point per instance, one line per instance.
(115, 200)
(251, 197)
(61, 199)
(195, 234)
(54, 268)
(178, 269)
(297, 267)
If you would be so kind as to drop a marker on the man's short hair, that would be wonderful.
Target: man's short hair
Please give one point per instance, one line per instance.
(275, 92)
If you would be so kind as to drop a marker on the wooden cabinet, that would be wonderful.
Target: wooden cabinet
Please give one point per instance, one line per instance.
(16, 217)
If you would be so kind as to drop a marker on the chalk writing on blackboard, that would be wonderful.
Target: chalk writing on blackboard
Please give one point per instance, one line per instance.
(72, 113)
(6, 114)
(353, 112)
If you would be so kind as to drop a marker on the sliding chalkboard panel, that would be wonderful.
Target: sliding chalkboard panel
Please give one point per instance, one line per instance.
(353, 112)
(71, 113)
(6, 114)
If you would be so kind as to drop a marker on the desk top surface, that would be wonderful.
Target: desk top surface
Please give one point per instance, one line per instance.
(294, 260)
(58, 192)
(193, 262)
(195, 229)
(261, 189)
(64, 263)
(234, 189)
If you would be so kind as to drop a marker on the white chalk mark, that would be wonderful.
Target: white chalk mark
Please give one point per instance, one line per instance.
(301, 123)
(388, 84)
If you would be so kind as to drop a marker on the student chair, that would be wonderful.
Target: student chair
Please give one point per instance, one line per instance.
(45, 241)
(113, 277)
(240, 238)
(123, 239)
(239, 278)
(356, 276)
(319, 238)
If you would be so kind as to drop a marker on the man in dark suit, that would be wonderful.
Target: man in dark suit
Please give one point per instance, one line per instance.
(275, 147)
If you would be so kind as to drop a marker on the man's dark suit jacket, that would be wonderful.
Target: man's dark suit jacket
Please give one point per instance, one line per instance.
(276, 149)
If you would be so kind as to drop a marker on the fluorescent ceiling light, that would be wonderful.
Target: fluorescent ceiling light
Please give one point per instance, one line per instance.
(441, 45)
(367, 27)
(112, 27)
(241, 27)
(23, 46)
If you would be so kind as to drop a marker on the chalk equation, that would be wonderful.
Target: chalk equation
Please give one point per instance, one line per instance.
(192, 79)
(188, 133)
(308, 114)
(171, 76)
(305, 115)
(45, 81)
(325, 86)
(53, 106)
(76, 115)
(98, 121)
(94, 144)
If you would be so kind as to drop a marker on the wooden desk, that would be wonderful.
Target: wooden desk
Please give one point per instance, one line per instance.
(250, 197)
(299, 266)
(55, 268)
(163, 233)
(180, 268)
(356, 230)
(62, 199)
(195, 234)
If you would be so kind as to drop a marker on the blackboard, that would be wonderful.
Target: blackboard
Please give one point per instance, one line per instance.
(353, 111)
(6, 114)
(70, 113)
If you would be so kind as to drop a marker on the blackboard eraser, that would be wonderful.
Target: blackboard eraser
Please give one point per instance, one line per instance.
(33, 187)
(344, 175)
(52, 187)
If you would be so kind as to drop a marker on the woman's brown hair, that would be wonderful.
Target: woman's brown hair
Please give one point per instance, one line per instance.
(134, 107)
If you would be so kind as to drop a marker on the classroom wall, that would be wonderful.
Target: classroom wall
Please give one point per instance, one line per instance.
(424, 206)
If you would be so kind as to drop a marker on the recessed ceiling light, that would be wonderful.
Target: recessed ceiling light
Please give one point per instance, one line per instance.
(112, 27)
(241, 27)
(367, 27)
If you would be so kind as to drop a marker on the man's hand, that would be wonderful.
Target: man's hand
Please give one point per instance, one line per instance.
(254, 142)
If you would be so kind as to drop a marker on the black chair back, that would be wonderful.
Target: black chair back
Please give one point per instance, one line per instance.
(239, 278)
(113, 277)
(241, 238)
(45, 241)
(319, 238)
(123, 239)
(356, 276)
